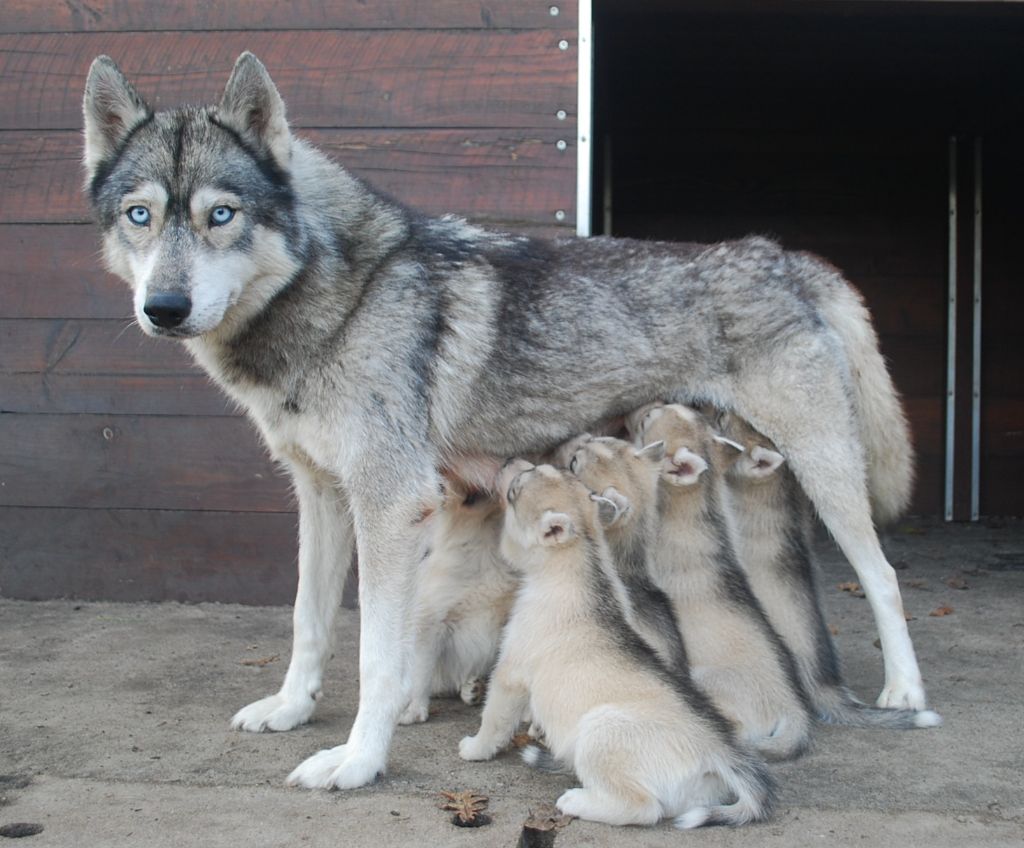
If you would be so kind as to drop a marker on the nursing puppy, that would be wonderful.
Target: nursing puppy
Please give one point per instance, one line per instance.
(735, 655)
(774, 525)
(629, 477)
(644, 743)
(463, 594)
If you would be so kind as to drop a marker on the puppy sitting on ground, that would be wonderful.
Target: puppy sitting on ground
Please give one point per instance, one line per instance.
(644, 743)
(735, 655)
(463, 594)
(629, 477)
(774, 524)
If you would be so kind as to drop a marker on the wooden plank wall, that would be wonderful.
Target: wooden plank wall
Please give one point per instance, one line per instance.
(123, 473)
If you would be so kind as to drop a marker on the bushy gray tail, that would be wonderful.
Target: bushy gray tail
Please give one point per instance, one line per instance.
(885, 432)
(542, 760)
(839, 706)
(748, 779)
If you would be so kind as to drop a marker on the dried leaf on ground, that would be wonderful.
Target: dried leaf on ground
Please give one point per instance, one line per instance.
(908, 617)
(468, 807)
(917, 583)
(956, 582)
(833, 630)
(262, 661)
(547, 817)
(938, 612)
(853, 588)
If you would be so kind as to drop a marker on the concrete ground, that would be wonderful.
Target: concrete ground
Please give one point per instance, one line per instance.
(114, 728)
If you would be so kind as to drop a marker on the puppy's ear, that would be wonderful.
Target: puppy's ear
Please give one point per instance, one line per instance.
(684, 468)
(636, 420)
(555, 528)
(252, 106)
(111, 109)
(762, 462)
(619, 506)
(654, 452)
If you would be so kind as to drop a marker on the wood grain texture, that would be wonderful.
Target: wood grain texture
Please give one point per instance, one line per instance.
(148, 555)
(24, 16)
(138, 462)
(327, 78)
(508, 178)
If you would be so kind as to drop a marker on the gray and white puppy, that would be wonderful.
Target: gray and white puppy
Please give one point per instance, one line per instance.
(736, 656)
(644, 743)
(373, 347)
(774, 526)
(629, 477)
(464, 591)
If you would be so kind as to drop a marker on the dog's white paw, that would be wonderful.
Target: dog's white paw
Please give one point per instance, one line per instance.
(275, 712)
(473, 691)
(902, 696)
(474, 749)
(415, 713)
(335, 768)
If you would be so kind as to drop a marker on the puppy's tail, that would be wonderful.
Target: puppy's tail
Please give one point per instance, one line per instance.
(542, 760)
(839, 706)
(884, 430)
(754, 789)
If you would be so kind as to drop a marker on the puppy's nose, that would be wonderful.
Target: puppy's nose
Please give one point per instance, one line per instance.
(167, 309)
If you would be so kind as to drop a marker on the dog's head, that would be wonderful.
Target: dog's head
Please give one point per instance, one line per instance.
(196, 204)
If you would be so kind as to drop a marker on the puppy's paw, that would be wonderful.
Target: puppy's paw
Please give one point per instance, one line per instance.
(902, 695)
(315, 772)
(473, 691)
(274, 712)
(474, 749)
(415, 713)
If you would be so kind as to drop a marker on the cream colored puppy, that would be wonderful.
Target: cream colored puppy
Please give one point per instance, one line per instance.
(735, 655)
(629, 477)
(645, 744)
(464, 591)
(774, 524)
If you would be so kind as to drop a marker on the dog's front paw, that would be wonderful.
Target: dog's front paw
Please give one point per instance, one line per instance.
(415, 713)
(473, 691)
(274, 712)
(335, 768)
(902, 696)
(474, 749)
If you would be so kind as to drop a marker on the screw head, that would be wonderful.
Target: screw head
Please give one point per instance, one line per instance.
(560, 144)
(553, 11)
(563, 45)
(560, 215)
(560, 114)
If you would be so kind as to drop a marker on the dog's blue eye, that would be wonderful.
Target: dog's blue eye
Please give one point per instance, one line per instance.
(221, 215)
(138, 215)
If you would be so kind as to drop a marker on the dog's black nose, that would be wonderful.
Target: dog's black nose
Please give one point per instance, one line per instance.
(167, 309)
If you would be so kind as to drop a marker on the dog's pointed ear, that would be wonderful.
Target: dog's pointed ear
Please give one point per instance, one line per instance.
(253, 107)
(111, 109)
(684, 468)
(654, 452)
(619, 506)
(555, 528)
(762, 462)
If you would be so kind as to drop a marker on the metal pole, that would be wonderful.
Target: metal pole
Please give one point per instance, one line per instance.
(976, 355)
(951, 331)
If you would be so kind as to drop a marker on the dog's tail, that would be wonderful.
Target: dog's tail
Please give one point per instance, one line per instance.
(747, 779)
(838, 705)
(885, 432)
(541, 759)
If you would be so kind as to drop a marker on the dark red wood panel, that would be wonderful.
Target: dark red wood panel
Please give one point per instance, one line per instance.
(138, 462)
(502, 176)
(197, 15)
(327, 78)
(147, 555)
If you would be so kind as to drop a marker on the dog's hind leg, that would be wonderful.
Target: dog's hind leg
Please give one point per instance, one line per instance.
(804, 407)
(325, 553)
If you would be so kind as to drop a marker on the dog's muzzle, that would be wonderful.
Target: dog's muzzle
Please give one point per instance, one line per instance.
(167, 309)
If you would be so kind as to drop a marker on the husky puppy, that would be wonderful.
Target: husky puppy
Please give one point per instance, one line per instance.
(629, 477)
(735, 655)
(774, 525)
(373, 346)
(644, 743)
(464, 591)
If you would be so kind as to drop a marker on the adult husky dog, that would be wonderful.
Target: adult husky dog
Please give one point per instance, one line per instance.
(372, 346)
